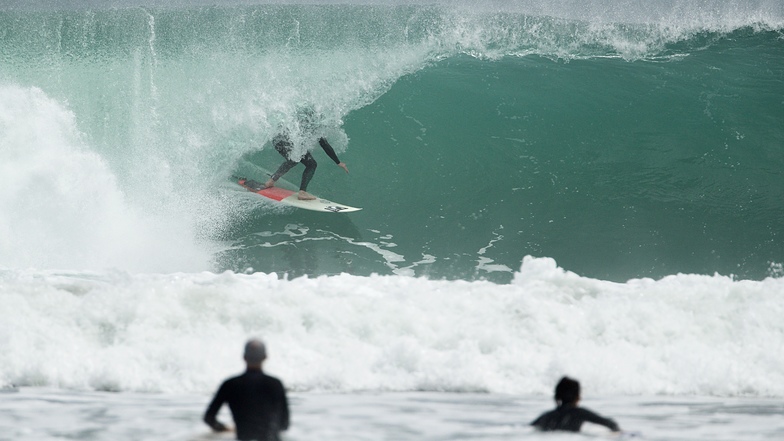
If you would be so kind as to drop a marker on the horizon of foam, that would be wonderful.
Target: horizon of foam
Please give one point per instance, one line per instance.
(681, 335)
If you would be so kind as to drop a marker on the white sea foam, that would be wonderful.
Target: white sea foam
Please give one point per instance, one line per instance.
(60, 205)
(682, 335)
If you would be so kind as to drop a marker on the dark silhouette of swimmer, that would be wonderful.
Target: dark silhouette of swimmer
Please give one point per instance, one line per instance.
(307, 119)
(257, 401)
(567, 415)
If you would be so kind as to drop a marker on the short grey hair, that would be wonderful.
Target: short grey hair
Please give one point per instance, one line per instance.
(255, 351)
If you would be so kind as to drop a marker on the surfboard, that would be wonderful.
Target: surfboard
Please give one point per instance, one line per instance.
(289, 197)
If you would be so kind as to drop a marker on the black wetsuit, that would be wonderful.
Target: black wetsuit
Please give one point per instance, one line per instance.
(570, 418)
(258, 405)
(283, 145)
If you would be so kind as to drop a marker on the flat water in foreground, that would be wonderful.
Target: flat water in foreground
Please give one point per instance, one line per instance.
(48, 414)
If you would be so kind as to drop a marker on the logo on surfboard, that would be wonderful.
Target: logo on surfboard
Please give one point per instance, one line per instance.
(335, 209)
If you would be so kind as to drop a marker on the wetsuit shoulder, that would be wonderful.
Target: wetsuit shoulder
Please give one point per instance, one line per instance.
(558, 419)
(570, 419)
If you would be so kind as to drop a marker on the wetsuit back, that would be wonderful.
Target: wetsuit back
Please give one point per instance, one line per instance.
(569, 417)
(258, 405)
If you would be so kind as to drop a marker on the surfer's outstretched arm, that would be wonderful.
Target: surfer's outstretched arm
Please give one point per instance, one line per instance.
(331, 153)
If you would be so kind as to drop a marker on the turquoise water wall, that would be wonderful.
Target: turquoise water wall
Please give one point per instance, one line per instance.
(638, 143)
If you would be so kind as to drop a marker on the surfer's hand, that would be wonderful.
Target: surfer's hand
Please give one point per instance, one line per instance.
(343, 166)
(220, 427)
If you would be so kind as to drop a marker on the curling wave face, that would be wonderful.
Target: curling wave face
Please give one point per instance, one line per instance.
(622, 140)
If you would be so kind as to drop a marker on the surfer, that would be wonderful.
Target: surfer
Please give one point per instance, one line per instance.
(567, 415)
(283, 144)
(257, 401)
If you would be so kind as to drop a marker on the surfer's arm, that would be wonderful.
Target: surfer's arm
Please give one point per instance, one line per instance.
(210, 417)
(592, 417)
(331, 152)
(283, 404)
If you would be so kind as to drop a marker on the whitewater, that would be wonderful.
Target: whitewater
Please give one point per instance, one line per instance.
(589, 189)
(681, 335)
(391, 355)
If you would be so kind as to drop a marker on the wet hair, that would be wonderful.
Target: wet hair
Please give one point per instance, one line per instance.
(255, 351)
(567, 391)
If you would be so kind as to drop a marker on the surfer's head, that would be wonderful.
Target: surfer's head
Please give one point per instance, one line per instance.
(255, 352)
(567, 391)
(307, 118)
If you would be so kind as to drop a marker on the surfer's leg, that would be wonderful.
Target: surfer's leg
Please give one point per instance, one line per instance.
(283, 146)
(310, 169)
(282, 170)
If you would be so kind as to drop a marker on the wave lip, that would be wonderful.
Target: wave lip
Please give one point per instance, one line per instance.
(491, 29)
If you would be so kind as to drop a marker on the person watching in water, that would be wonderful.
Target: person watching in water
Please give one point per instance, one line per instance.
(567, 416)
(257, 401)
(284, 145)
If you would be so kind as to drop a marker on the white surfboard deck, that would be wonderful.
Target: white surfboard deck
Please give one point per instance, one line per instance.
(289, 197)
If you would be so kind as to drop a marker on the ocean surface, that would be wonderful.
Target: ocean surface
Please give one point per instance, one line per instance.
(585, 188)
(374, 416)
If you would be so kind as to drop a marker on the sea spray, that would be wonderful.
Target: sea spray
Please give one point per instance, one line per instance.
(61, 206)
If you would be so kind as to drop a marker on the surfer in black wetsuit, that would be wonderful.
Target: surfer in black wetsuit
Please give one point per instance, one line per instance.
(568, 416)
(257, 401)
(284, 146)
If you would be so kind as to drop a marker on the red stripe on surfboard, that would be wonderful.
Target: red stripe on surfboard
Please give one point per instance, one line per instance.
(275, 193)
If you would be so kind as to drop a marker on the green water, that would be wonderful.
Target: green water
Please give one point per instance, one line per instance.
(474, 138)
